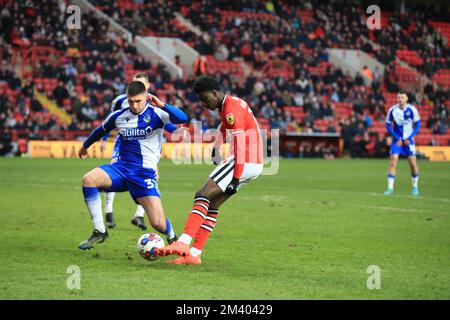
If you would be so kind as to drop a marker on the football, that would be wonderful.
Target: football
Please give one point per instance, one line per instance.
(147, 243)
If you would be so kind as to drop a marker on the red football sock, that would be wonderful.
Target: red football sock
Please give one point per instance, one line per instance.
(197, 216)
(205, 230)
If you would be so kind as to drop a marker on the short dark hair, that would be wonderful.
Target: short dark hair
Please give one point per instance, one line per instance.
(135, 88)
(402, 92)
(206, 83)
(141, 75)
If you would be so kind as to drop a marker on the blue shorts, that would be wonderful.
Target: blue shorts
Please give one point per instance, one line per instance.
(407, 151)
(139, 182)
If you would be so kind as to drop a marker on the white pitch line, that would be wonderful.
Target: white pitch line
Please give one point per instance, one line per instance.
(365, 193)
(284, 199)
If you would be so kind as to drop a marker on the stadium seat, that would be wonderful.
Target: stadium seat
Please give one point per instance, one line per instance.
(442, 77)
(411, 57)
(443, 28)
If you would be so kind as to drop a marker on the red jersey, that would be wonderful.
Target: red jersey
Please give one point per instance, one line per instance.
(238, 118)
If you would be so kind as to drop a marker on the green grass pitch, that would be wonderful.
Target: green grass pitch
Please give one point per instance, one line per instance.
(309, 232)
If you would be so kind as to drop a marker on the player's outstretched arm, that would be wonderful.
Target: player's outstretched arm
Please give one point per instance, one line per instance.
(94, 136)
(170, 127)
(82, 152)
(176, 115)
(99, 132)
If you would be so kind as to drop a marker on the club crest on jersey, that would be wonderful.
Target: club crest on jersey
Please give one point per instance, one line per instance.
(230, 118)
(147, 118)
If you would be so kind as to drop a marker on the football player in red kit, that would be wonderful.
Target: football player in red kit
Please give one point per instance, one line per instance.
(245, 164)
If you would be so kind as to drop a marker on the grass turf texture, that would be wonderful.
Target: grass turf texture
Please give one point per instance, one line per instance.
(309, 232)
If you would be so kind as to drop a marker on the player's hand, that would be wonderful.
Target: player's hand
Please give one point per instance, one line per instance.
(233, 187)
(102, 146)
(406, 143)
(215, 155)
(399, 143)
(82, 152)
(154, 101)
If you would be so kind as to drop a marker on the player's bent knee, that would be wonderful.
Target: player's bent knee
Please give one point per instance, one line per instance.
(88, 180)
(159, 225)
(201, 194)
(214, 205)
(209, 191)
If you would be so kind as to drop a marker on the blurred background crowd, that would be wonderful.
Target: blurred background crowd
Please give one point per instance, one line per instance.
(83, 70)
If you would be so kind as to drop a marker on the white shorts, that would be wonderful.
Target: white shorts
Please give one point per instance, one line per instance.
(224, 172)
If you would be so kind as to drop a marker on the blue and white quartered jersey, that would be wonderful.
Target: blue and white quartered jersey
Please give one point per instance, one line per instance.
(406, 122)
(119, 103)
(141, 134)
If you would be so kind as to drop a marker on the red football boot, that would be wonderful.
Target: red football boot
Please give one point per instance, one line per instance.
(187, 260)
(177, 247)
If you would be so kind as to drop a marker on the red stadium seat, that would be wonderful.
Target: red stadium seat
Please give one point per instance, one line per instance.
(442, 77)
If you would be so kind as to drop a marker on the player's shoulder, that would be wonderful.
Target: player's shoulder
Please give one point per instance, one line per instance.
(117, 113)
(120, 97)
(159, 112)
(118, 101)
(392, 108)
(234, 104)
(111, 121)
(413, 107)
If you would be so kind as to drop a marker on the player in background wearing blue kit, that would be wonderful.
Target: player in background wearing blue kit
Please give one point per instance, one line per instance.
(121, 102)
(140, 131)
(403, 123)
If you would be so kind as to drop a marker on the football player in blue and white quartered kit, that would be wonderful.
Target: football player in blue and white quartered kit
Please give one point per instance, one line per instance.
(140, 130)
(121, 102)
(403, 123)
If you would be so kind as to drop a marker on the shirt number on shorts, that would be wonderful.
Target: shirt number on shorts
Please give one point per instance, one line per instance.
(412, 148)
(151, 184)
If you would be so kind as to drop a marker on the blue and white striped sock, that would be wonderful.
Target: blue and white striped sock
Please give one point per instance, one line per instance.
(390, 180)
(94, 205)
(415, 180)
(169, 230)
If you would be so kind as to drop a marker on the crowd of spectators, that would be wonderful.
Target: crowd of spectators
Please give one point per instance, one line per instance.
(91, 69)
(302, 41)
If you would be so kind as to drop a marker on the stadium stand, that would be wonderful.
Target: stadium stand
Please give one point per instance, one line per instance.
(82, 71)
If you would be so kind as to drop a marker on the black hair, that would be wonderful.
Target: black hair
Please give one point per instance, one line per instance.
(206, 83)
(135, 88)
(402, 92)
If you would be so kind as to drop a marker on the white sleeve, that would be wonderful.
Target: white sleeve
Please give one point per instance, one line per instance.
(164, 116)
